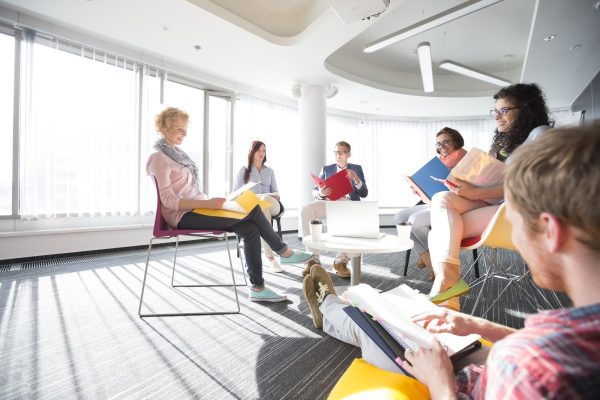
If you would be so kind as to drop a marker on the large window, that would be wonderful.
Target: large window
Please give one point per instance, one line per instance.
(7, 75)
(79, 142)
(277, 126)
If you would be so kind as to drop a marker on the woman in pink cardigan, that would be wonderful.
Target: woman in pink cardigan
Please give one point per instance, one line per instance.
(178, 184)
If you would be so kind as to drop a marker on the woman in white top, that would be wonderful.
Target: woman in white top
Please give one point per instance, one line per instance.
(266, 187)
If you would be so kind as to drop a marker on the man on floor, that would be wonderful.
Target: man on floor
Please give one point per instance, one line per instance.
(552, 187)
(316, 209)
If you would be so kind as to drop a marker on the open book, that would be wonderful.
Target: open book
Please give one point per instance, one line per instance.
(479, 168)
(339, 184)
(422, 183)
(237, 204)
(392, 312)
(476, 167)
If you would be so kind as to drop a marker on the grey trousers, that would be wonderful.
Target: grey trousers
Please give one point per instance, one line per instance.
(338, 324)
(419, 217)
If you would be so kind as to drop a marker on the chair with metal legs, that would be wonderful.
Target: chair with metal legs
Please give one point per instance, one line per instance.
(497, 235)
(163, 231)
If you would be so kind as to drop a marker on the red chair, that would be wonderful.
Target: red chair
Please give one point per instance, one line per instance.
(163, 231)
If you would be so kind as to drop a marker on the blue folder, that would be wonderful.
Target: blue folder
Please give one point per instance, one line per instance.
(425, 186)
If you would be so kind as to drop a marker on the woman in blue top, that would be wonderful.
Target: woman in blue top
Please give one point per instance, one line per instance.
(266, 185)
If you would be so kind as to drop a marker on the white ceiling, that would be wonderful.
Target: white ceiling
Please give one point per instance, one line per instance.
(266, 46)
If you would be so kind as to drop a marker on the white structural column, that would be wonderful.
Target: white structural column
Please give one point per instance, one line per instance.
(313, 128)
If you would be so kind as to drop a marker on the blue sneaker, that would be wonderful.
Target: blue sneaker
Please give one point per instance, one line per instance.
(296, 257)
(267, 295)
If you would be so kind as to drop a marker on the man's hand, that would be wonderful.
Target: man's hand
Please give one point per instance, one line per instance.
(325, 191)
(433, 368)
(445, 320)
(352, 176)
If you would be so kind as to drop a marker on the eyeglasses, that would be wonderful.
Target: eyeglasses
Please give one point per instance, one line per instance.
(503, 111)
(443, 143)
(340, 152)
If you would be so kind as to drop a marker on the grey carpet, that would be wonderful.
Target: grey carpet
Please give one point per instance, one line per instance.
(69, 328)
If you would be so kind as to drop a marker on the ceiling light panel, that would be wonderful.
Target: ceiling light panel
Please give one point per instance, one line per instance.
(451, 14)
(424, 52)
(472, 73)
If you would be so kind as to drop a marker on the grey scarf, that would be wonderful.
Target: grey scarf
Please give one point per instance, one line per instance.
(178, 156)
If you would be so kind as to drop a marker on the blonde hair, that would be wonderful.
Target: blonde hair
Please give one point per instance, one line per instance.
(165, 118)
(559, 173)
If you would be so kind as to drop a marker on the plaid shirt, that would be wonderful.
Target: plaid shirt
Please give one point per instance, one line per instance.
(555, 356)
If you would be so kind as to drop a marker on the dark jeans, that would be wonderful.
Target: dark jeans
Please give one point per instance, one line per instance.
(251, 229)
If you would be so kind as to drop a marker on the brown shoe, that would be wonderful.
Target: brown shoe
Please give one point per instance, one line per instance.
(308, 265)
(431, 273)
(322, 279)
(310, 293)
(317, 285)
(424, 259)
(341, 269)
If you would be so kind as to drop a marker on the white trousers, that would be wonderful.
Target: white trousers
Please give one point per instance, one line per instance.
(339, 325)
(454, 218)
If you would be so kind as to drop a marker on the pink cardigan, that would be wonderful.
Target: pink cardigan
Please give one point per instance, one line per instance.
(175, 182)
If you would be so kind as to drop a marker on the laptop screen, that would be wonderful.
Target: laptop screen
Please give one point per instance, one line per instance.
(353, 218)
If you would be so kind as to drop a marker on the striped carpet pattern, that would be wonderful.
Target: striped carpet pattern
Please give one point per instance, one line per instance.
(69, 328)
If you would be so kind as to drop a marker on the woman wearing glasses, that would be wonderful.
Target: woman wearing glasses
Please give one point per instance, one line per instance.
(449, 146)
(520, 113)
(266, 186)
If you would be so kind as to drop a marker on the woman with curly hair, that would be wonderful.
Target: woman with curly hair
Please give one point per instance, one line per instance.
(465, 211)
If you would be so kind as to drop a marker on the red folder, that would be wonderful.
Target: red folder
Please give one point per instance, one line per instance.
(339, 184)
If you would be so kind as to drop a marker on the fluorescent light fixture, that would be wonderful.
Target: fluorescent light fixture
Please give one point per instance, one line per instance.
(471, 73)
(451, 14)
(424, 51)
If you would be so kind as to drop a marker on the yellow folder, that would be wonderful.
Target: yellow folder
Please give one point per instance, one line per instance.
(237, 208)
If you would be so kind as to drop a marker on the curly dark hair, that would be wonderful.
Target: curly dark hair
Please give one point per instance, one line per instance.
(455, 136)
(533, 112)
(254, 146)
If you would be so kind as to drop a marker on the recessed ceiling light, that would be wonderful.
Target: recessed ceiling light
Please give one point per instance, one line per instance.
(549, 38)
(197, 47)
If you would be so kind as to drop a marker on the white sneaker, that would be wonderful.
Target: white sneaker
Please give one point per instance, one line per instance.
(275, 266)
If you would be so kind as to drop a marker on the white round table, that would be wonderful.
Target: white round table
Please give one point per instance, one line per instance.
(355, 247)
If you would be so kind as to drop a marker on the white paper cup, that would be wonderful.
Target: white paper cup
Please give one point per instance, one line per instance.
(315, 231)
(404, 232)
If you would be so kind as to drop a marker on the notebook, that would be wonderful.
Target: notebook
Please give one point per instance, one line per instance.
(421, 180)
(353, 219)
(387, 320)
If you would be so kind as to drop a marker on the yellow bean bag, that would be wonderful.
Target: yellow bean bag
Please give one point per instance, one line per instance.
(365, 381)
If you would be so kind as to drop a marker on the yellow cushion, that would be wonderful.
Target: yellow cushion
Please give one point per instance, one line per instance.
(365, 381)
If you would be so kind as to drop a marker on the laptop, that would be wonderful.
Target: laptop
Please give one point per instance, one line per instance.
(353, 219)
